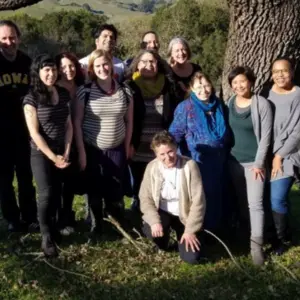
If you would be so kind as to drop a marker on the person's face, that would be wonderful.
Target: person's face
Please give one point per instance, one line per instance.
(9, 40)
(167, 155)
(102, 68)
(241, 86)
(48, 75)
(106, 41)
(282, 74)
(67, 69)
(151, 42)
(202, 88)
(179, 53)
(147, 65)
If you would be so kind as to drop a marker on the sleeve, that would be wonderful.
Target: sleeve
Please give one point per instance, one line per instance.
(266, 119)
(178, 126)
(29, 99)
(196, 215)
(292, 143)
(147, 204)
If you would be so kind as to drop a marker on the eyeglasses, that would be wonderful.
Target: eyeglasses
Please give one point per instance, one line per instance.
(283, 71)
(151, 62)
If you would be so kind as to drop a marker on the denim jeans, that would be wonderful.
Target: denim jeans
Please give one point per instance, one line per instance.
(279, 192)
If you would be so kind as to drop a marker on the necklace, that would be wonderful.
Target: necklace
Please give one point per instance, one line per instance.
(109, 92)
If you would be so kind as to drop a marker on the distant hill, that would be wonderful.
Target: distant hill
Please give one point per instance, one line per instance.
(115, 9)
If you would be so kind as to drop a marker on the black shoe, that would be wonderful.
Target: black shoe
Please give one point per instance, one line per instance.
(48, 246)
(33, 227)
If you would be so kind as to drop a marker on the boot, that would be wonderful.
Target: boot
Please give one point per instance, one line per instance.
(281, 225)
(48, 246)
(257, 254)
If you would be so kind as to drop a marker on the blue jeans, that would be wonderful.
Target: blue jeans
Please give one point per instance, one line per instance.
(279, 193)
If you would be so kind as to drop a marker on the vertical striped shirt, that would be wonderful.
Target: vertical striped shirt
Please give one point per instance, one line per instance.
(52, 118)
(104, 116)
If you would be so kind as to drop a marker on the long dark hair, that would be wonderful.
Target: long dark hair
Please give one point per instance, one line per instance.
(79, 77)
(38, 89)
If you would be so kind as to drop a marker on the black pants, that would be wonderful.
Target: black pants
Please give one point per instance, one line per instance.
(170, 221)
(105, 171)
(138, 170)
(49, 180)
(15, 157)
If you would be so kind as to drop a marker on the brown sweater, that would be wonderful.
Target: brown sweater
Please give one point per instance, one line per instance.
(191, 196)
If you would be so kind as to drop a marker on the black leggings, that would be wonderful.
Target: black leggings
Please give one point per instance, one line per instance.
(49, 180)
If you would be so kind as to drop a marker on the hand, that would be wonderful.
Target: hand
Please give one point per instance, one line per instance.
(82, 161)
(60, 162)
(276, 166)
(190, 241)
(157, 230)
(259, 173)
(66, 155)
(130, 151)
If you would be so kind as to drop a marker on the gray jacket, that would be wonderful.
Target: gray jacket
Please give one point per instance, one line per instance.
(262, 120)
(287, 143)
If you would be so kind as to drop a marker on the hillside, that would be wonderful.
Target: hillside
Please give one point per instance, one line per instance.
(114, 9)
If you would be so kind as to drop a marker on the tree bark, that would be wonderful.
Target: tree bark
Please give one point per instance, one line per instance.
(15, 4)
(259, 32)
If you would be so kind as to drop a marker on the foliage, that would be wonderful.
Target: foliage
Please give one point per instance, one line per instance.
(59, 31)
(204, 26)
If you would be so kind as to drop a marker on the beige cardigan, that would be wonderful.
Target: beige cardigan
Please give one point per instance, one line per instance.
(191, 198)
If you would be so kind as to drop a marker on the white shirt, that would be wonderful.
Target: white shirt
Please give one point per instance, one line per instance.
(169, 194)
(119, 67)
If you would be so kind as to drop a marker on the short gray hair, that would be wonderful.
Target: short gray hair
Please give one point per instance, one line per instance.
(178, 40)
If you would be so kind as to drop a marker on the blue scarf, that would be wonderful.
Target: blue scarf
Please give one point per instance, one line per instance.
(214, 123)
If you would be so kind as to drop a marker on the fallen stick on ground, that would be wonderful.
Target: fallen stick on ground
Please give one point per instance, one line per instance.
(113, 221)
(65, 271)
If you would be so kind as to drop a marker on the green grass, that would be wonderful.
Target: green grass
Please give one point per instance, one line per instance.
(113, 269)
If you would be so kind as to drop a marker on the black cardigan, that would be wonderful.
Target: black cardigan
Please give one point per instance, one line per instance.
(171, 97)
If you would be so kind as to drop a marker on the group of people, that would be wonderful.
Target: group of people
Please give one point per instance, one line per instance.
(155, 124)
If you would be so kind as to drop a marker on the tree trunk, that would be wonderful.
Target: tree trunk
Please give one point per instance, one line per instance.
(259, 32)
(15, 4)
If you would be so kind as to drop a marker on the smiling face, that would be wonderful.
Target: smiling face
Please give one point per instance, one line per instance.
(151, 42)
(102, 68)
(9, 41)
(282, 74)
(179, 53)
(147, 65)
(167, 155)
(67, 69)
(241, 86)
(106, 41)
(48, 75)
(202, 89)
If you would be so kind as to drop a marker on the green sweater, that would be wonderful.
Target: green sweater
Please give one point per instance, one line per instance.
(245, 142)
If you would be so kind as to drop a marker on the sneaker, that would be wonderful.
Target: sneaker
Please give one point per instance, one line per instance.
(48, 246)
(67, 231)
(14, 227)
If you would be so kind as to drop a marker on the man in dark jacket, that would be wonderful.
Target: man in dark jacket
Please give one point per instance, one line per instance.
(15, 149)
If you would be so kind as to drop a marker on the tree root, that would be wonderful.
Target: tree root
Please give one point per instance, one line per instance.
(293, 276)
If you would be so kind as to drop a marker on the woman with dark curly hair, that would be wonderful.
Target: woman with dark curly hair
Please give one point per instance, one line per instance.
(47, 114)
(155, 98)
(70, 77)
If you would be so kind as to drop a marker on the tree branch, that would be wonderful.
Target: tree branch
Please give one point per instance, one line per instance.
(15, 4)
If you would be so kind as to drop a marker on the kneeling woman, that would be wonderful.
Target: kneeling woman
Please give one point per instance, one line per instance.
(48, 119)
(172, 196)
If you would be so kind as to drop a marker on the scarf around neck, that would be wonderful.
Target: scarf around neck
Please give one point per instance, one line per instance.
(210, 117)
(149, 89)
